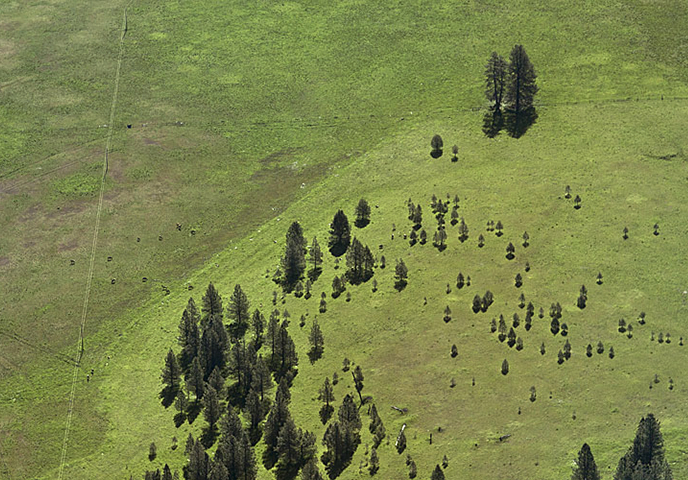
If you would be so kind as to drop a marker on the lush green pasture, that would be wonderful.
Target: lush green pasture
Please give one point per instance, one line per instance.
(234, 106)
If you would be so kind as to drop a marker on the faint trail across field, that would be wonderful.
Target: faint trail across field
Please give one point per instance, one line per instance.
(89, 278)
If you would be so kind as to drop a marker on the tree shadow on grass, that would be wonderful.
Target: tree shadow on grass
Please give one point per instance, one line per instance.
(517, 124)
(493, 122)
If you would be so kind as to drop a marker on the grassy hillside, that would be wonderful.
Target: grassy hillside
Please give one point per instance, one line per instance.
(233, 108)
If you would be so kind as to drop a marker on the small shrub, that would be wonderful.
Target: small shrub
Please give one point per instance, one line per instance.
(560, 357)
(519, 344)
(447, 314)
(505, 367)
(622, 325)
(533, 395)
(542, 349)
(611, 352)
(588, 350)
(493, 326)
(454, 351)
(600, 347)
(518, 280)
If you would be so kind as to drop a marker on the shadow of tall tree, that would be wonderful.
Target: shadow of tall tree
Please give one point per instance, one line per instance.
(517, 124)
(493, 122)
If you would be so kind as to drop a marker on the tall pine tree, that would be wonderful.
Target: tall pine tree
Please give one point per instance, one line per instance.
(645, 459)
(171, 378)
(340, 234)
(521, 87)
(495, 80)
(585, 469)
(294, 259)
(237, 311)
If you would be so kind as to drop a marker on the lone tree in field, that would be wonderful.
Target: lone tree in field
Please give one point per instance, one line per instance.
(437, 474)
(455, 153)
(645, 459)
(463, 231)
(400, 275)
(521, 87)
(362, 213)
(316, 341)
(326, 395)
(495, 81)
(585, 468)
(316, 260)
(436, 143)
(505, 367)
(358, 381)
(340, 234)
(294, 260)
(510, 251)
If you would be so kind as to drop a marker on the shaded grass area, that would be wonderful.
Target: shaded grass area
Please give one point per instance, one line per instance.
(233, 108)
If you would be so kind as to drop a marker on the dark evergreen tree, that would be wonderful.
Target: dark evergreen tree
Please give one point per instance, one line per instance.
(567, 350)
(463, 230)
(502, 329)
(199, 464)
(512, 337)
(278, 416)
(239, 367)
(212, 306)
(211, 407)
(152, 453)
(447, 314)
(423, 237)
(166, 473)
(171, 378)
(505, 367)
(340, 234)
(189, 337)
(499, 227)
(326, 395)
(360, 262)
(521, 87)
(341, 443)
(261, 381)
(194, 379)
(495, 80)
(510, 251)
(258, 328)
(486, 301)
(218, 472)
(293, 263)
(256, 412)
(316, 260)
(214, 346)
(317, 342)
(518, 280)
(362, 213)
(554, 326)
(284, 359)
(237, 311)
(374, 463)
(288, 448)
(645, 459)
(217, 381)
(310, 471)
(477, 303)
(412, 469)
(437, 474)
(358, 381)
(376, 427)
(348, 413)
(417, 218)
(436, 143)
(401, 275)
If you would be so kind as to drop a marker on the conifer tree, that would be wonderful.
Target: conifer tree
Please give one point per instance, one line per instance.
(211, 407)
(293, 262)
(401, 275)
(310, 471)
(585, 468)
(171, 378)
(495, 80)
(212, 305)
(199, 464)
(376, 427)
(326, 395)
(278, 416)
(316, 260)
(437, 474)
(521, 87)
(217, 381)
(288, 447)
(362, 213)
(417, 217)
(258, 328)
(194, 379)
(237, 311)
(317, 342)
(256, 412)
(645, 459)
(348, 413)
(463, 230)
(374, 463)
(189, 337)
(340, 234)
(358, 381)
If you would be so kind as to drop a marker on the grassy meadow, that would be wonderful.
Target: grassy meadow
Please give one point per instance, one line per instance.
(247, 116)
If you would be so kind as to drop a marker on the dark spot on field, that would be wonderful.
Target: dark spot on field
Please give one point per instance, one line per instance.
(4, 261)
(148, 141)
(277, 157)
(66, 247)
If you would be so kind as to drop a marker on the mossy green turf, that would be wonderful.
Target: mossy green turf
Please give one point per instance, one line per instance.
(244, 102)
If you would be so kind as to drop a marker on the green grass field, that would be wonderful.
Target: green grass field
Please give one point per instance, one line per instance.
(233, 107)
